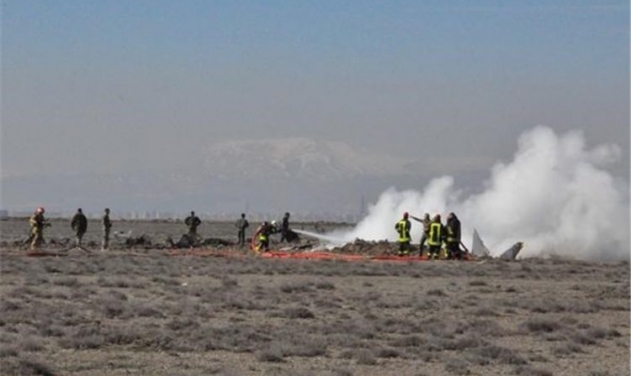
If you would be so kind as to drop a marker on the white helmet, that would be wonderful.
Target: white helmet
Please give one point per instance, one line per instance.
(274, 223)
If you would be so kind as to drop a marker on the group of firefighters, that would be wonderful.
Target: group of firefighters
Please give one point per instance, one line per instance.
(435, 234)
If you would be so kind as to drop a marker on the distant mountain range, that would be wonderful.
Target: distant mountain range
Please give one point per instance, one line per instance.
(297, 158)
(275, 175)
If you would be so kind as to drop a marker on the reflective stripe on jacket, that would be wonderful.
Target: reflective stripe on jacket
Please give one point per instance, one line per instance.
(403, 228)
(435, 234)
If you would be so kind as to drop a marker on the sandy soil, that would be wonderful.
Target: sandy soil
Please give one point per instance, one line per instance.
(143, 311)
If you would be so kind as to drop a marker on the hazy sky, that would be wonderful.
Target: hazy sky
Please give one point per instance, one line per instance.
(120, 85)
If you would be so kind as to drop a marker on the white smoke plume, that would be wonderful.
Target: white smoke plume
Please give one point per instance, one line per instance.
(555, 196)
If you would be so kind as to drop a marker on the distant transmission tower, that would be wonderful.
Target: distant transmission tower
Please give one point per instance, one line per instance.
(362, 206)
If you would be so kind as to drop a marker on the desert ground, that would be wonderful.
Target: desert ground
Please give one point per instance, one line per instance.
(142, 310)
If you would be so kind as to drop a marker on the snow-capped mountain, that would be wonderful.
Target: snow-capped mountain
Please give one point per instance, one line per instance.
(294, 174)
(297, 158)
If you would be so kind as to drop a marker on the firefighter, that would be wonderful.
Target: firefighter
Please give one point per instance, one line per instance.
(38, 223)
(403, 227)
(107, 226)
(452, 241)
(192, 221)
(79, 224)
(264, 231)
(435, 237)
(241, 225)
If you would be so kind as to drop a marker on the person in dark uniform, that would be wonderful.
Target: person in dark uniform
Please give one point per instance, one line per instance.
(79, 224)
(452, 237)
(192, 222)
(241, 225)
(284, 229)
(107, 226)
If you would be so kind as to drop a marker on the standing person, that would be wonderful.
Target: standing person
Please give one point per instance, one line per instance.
(38, 223)
(79, 224)
(107, 226)
(241, 225)
(192, 221)
(435, 238)
(426, 221)
(403, 227)
(452, 241)
(264, 231)
(284, 228)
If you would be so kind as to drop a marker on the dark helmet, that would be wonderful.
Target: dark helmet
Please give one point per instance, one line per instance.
(405, 215)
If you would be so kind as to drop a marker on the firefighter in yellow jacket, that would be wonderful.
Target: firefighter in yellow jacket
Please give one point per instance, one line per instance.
(436, 237)
(38, 223)
(263, 232)
(403, 227)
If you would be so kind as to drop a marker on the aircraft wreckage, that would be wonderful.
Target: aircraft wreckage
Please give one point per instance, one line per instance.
(322, 247)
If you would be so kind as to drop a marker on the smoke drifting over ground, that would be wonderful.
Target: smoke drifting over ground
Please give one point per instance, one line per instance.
(555, 195)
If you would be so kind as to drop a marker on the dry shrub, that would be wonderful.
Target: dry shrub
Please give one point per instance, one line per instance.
(485, 311)
(408, 341)
(484, 328)
(365, 357)
(388, 352)
(27, 368)
(272, 354)
(342, 372)
(478, 282)
(567, 349)
(147, 310)
(530, 371)
(121, 336)
(66, 281)
(30, 344)
(436, 292)
(456, 366)
(6, 351)
(598, 373)
(501, 354)
(583, 338)
(177, 325)
(111, 308)
(466, 342)
(324, 285)
(292, 287)
(83, 342)
(298, 313)
(228, 282)
(541, 325)
(307, 349)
